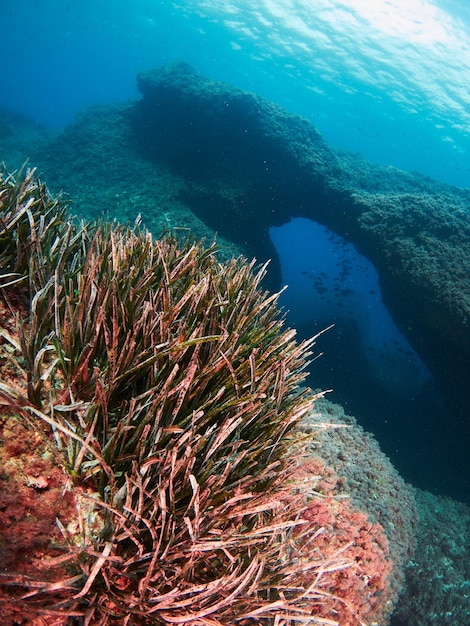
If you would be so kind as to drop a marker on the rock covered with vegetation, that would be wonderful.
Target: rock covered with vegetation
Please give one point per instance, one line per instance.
(438, 575)
(165, 388)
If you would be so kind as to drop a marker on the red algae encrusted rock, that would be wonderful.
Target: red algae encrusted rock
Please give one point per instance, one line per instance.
(34, 494)
(360, 593)
(349, 464)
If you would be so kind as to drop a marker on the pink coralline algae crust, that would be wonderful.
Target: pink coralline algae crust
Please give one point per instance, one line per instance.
(350, 465)
(33, 495)
(360, 593)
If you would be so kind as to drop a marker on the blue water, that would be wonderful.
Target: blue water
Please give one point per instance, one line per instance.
(363, 359)
(329, 282)
(387, 78)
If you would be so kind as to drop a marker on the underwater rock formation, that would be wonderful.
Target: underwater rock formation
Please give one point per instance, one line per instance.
(438, 576)
(436, 565)
(249, 165)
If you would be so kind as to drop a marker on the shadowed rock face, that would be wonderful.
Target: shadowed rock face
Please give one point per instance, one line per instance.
(249, 165)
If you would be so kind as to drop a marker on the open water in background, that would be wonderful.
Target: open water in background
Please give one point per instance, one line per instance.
(387, 78)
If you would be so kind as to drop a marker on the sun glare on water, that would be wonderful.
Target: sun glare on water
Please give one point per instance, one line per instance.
(415, 21)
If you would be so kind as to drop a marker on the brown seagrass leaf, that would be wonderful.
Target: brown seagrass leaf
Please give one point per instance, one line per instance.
(216, 596)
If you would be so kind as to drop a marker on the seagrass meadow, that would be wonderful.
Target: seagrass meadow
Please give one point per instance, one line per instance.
(150, 399)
